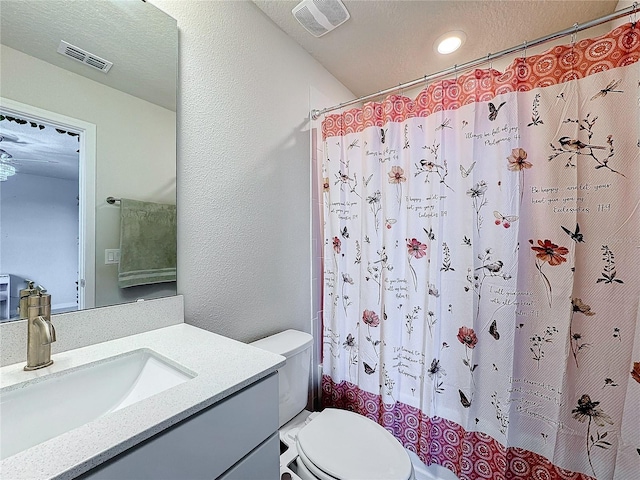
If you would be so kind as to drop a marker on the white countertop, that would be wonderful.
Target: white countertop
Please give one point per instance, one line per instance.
(223, 367)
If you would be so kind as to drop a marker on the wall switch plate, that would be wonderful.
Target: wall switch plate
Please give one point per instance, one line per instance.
(111, 256)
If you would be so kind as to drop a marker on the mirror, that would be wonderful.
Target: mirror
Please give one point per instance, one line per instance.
(117, 132)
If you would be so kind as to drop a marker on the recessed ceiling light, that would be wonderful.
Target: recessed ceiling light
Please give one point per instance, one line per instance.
(450, 42)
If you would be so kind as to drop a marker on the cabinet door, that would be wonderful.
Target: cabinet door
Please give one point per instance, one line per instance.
(205, 445)
(261, 464)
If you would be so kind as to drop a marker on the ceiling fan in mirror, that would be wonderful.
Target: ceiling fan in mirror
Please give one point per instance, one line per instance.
(8, 162)
(14, 149)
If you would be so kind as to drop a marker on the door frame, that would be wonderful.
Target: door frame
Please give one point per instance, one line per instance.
(86, 189)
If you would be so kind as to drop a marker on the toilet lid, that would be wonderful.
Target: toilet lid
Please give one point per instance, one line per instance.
(346, 445)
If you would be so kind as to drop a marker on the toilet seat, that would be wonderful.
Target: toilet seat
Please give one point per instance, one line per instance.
(339, 444)
(309, 470)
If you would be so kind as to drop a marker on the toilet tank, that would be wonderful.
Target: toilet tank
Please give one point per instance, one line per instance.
(294, 376)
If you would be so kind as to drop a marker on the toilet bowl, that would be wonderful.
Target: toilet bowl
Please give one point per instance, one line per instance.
(335, 444)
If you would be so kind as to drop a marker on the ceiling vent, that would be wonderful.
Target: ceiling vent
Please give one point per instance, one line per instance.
(319, 17)
(83, 56)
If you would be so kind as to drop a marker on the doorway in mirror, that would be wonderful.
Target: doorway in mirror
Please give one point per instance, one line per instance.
(47, 208)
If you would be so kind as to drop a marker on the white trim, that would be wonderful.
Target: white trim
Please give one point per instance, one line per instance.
(87, 191)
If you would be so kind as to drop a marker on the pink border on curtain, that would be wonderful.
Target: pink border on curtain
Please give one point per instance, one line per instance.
(470, 455)
(561, 64)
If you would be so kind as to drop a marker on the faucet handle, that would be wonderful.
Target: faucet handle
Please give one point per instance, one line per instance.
(27, 292)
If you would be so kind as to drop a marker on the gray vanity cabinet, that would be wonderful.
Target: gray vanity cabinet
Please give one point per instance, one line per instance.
(234, 439)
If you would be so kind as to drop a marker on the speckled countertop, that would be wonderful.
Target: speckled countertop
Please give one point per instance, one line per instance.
(223, 367)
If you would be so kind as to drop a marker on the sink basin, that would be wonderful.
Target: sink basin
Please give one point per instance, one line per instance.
(40, 409)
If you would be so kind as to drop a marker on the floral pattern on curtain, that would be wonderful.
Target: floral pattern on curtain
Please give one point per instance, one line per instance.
(481, 265)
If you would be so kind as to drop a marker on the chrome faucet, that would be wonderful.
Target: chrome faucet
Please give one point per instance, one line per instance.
(40, 331)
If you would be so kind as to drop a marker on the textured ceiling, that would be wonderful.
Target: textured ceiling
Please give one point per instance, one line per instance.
(386, 43)
(140, 40)
(40, 151)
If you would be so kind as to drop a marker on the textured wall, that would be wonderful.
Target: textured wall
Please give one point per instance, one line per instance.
(244, 241)
(43, 248)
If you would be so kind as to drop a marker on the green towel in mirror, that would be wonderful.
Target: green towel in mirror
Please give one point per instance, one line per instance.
(147, 243)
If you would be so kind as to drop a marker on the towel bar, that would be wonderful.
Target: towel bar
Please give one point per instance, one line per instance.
(112, 200)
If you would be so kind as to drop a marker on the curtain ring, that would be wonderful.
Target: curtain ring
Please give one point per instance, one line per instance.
(632, 16)
(574, 35)
(525, 50)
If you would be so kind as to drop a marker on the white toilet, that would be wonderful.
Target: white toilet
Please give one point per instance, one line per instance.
(335, 444)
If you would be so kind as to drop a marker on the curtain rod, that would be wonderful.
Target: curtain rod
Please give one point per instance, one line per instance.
(315, 113)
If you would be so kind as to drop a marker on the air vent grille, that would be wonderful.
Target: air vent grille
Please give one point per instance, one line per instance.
(306, 18)
(319, 17)
(83, 56)
(75, 53)
(334, 11)
(97, 63)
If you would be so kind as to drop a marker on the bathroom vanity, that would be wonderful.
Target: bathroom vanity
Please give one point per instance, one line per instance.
(219, 420)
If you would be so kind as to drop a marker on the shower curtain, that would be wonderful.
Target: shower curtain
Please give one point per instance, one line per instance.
(481, 248)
